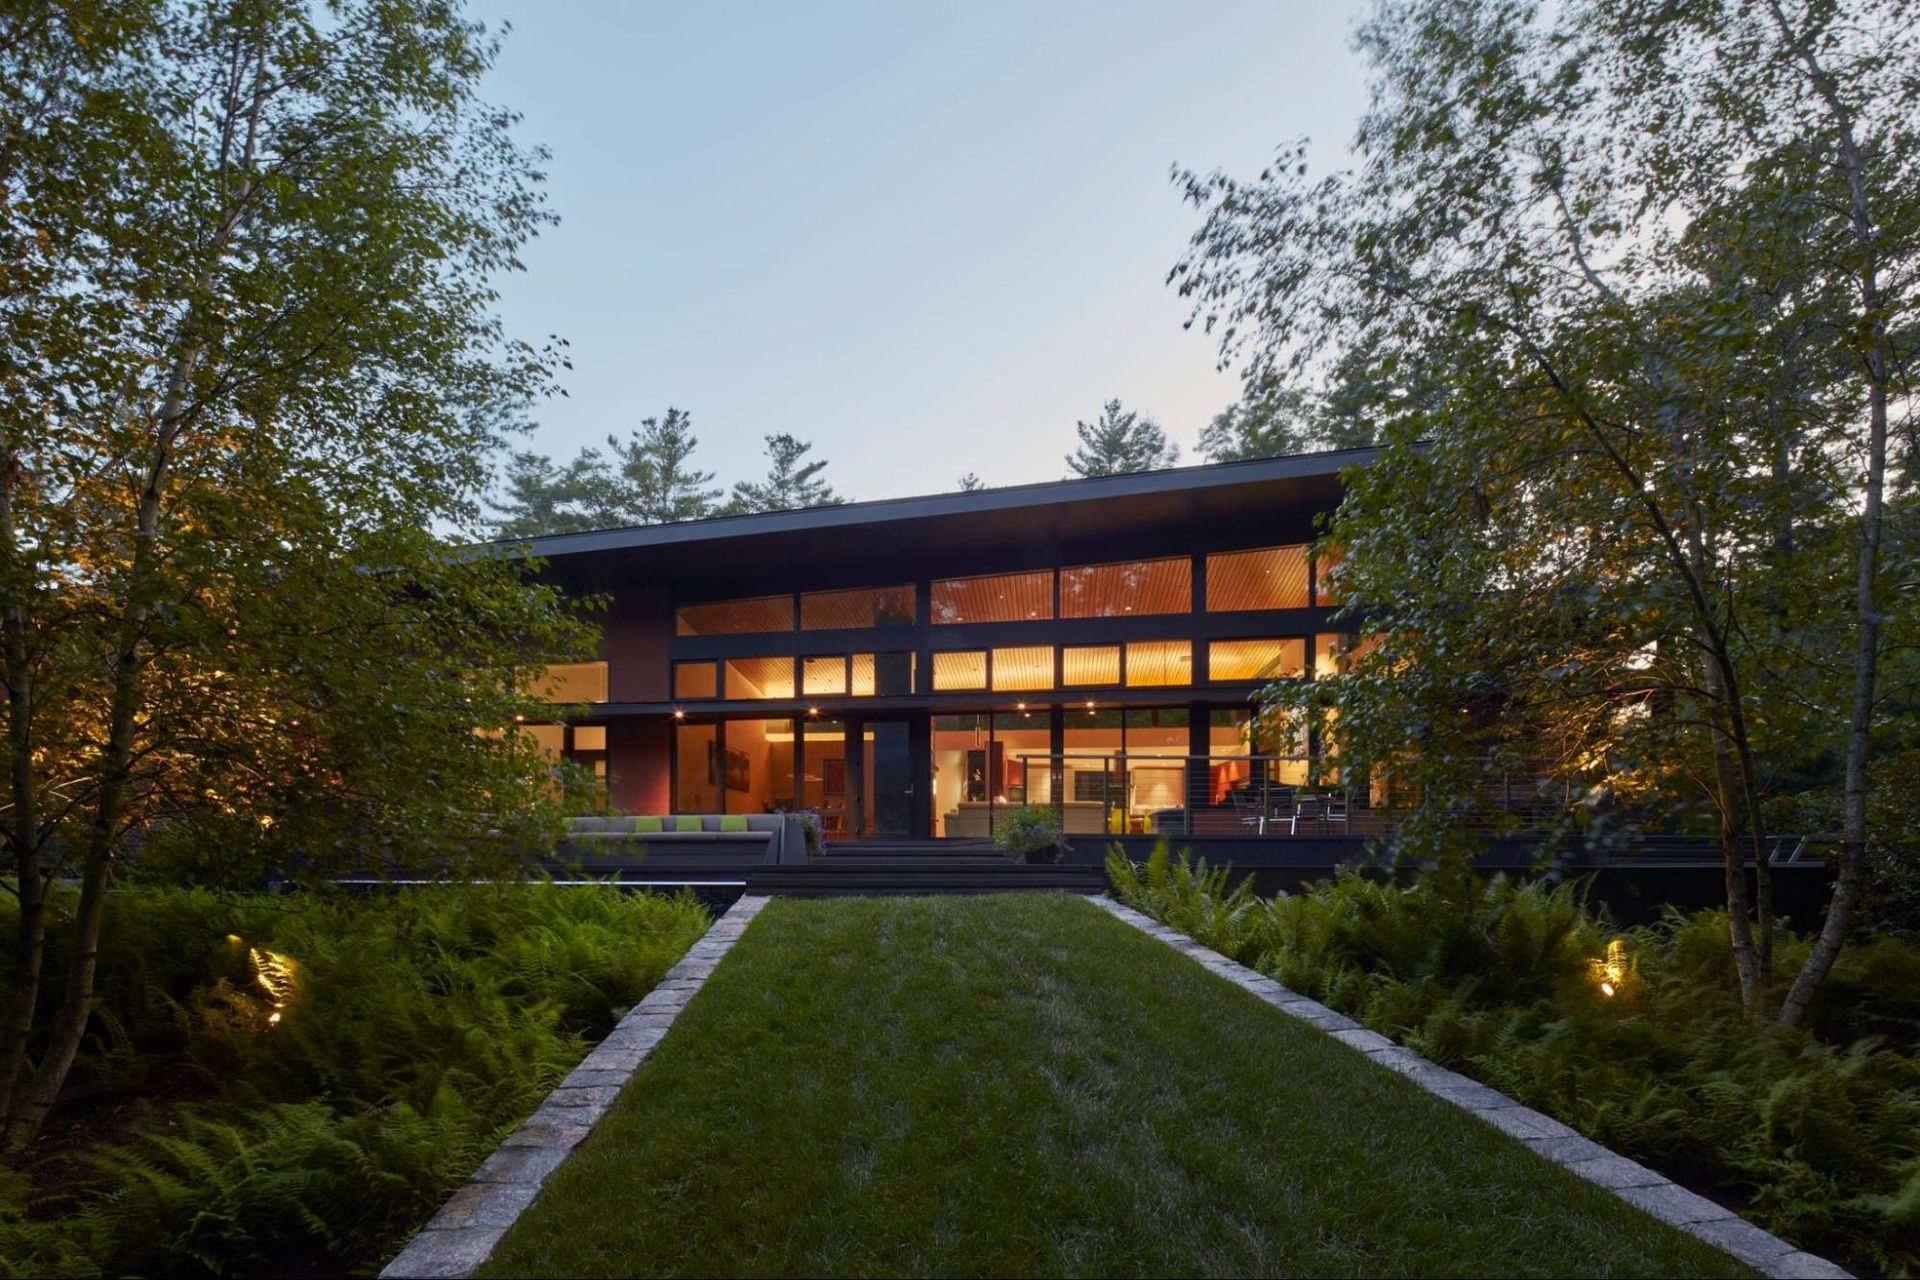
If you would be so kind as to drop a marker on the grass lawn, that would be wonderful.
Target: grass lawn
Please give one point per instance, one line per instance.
(1023, 1085)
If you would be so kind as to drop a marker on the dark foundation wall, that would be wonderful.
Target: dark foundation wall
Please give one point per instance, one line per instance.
(639, 773)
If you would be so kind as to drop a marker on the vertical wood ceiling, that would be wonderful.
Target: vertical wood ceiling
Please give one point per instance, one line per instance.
(1003, 597)
(1131, 588)
(859, 607)
(1272, 578)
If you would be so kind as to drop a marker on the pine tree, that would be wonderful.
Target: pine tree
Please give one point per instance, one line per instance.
(651, 476)
(542, 497)
(1121, 441)
(790, 483)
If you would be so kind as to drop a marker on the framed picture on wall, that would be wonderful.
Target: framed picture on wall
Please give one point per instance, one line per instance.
(833, 777)
(739, 771)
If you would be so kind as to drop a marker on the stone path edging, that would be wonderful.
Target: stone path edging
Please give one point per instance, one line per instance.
(463, 1234)
(1634, 1183)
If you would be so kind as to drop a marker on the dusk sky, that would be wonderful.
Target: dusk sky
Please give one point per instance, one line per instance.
(926, 237)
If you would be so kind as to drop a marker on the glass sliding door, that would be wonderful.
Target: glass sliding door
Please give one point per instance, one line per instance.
(984, 766)
(823, 775)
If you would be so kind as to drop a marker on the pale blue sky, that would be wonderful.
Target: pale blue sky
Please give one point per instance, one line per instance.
(928, 237)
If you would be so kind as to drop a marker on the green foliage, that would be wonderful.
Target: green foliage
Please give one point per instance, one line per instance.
(642, 479)
(417, 1029)
(791, 482)
(1620, 285)
(1817, 1131)
(1031, 833)
(1185, 894)
(1121, 441)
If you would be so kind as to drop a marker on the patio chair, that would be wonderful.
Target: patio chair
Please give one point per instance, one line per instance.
(1311, 808)
(1336, 809)
(1283, 806)
(1246, 809)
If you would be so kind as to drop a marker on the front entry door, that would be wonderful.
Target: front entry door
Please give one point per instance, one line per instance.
(880, 766)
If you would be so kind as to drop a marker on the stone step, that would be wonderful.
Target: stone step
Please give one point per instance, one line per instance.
(821, 879)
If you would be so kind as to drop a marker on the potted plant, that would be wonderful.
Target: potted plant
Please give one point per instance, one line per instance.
(1031, 833)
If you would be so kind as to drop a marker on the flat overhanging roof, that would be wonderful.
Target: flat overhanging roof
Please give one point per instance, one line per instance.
(1079, 513)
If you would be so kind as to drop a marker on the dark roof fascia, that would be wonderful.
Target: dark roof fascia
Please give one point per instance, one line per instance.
(979, 501)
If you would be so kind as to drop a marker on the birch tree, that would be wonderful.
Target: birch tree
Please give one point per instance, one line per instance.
(1634, 286)
(248, 361)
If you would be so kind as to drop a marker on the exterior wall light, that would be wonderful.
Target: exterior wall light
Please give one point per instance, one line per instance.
(678, 714)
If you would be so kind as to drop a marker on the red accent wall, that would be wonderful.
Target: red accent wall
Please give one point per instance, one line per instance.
(634, 635)
(639, 776)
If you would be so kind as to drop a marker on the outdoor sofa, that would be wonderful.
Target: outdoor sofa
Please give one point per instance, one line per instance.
(777, 837)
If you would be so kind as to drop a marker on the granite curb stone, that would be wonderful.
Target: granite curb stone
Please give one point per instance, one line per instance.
(1634, 1183)
(463, 1234)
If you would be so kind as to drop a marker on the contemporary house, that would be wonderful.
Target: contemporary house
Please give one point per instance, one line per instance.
(913, 669)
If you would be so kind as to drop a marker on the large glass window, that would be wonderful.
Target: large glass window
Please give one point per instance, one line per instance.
(859, 607)
(1239, 660)
(1125, 771)
(759, 677)
(1135, 587)
(967, 772)
(757, 766)
(824, 677)
(1028, 667)
(1156, 768)
(696, 771)
(1094, 770)
(574, 682)
(986, 765)
(1022, 738)
(696, 680)
(883, 674)
(959, 670)
(735, 617)
(1271, 578)
(1005, 597)
(823, 774)
(1090, 666)
(1159, 663)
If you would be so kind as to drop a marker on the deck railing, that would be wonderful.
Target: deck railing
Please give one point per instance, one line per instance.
(1185, 795)
(1303, 796)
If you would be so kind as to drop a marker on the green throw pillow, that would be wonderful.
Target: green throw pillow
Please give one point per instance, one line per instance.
(734, 822)
(686, 822)
(648, 824)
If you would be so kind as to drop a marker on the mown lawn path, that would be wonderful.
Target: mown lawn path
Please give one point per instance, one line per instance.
(1023, 1085)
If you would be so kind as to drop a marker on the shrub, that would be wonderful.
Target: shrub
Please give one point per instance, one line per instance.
(415, 1030)
(1817, 1132)
(1032, 834)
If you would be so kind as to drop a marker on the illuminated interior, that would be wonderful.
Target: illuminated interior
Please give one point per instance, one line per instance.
(1243, 660)
(1004, 597)
(1270, 578)
(574, 682)
(861, 607)
(1131, 588)
(735, 617)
